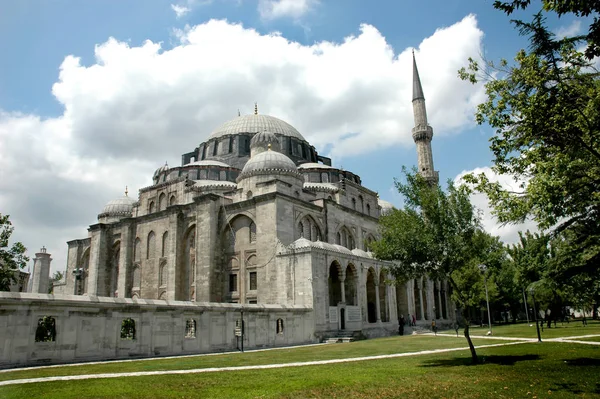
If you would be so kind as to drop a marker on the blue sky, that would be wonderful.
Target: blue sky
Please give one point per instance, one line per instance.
(67, 151)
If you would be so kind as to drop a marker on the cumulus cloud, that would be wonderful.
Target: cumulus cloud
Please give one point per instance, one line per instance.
(273, 9)
(570, 30)
(136, 106)
(508, 233)
(180, 10)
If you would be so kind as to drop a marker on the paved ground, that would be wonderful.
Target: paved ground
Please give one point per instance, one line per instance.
(514, 341)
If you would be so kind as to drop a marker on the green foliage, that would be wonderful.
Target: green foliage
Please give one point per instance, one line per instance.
(128, 329)
(56, 277)
(438, 234)
(578, 8)
(11, 258)
(546, 114)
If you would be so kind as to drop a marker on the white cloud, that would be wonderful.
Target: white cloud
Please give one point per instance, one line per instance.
(180, 10)
(570, 30)
(137, 106)
(509, 233)
(273, 9)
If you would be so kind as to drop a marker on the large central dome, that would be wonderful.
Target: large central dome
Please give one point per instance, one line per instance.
(254, 124)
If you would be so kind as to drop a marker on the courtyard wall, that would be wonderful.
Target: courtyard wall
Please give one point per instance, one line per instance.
(90, 328)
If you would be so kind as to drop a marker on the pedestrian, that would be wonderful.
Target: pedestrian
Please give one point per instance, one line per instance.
(433, 327)
(401, 325)
(414, 320)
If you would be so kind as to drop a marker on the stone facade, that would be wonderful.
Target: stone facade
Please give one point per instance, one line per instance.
(254, 218)
(37, 329)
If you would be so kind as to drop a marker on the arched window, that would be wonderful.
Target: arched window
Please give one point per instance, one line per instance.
(173, 200)
(215, 148)
(151, 246)
(162, 274)
(324, 177)
(252, 232)
(203, 174)
(222, 175)
(162, 202)
(165, 244)
(46, 330)
(368, 209)
(300, 230)
(338, 238)
(361, 204)
(279, 328)
(137, 276)
(151, 207)
(137, 249)
(128, 329)
(354, 203)
(249, 195)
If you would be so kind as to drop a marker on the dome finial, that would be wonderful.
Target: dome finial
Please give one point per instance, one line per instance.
(269, 147)
(255, 108)
(239, 112)
(126, 191)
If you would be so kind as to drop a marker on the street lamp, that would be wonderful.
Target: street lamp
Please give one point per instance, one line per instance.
(483, 269)
(537, 325)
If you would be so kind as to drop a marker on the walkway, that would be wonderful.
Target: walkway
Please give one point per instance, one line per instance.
(515, 341)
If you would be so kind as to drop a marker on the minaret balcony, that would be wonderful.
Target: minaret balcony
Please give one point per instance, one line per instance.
(422, 133)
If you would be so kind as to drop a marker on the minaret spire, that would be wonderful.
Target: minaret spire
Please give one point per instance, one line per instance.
(422, 133)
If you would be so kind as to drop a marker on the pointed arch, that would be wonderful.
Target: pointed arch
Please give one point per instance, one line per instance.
(371, 296)
(334, 282)
(162, 202)
(346, 238)
(350, 284)
(151, 207)
(172, 200)
(165, 244)
(137, 250)
(151, 245)
(252, 228)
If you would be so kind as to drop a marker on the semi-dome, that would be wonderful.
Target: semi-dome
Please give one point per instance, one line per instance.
(263, 141)
(269, 161)
(122, 206)
(254, 124)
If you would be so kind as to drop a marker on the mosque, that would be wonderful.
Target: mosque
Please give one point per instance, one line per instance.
(256, 218)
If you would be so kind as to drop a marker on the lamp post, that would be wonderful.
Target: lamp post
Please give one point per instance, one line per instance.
(537, 325)
(483, 269)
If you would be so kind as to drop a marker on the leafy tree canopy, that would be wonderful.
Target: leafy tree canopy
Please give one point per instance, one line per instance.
(579, 8)
(438, 234)
(545, 110)
(11, 258)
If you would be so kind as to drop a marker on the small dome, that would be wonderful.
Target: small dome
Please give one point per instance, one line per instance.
(262, 141)
(208, 162)
(314, 165)
(386, 207)
(269, 162)
(122, 206)
(160, 170)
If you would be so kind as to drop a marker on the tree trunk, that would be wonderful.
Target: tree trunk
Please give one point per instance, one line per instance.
(474, 358)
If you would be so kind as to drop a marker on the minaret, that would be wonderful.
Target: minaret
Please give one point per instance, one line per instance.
(422, 132)
(41, 272)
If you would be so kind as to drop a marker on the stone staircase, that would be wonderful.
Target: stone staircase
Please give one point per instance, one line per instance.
(341, 337)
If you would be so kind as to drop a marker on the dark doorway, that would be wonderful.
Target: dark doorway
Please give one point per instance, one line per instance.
(343, 318)
(372, 312)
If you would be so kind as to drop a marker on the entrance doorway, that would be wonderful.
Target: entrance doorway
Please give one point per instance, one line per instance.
(342, 319)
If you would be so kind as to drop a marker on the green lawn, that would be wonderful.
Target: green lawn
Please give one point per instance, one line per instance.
(532, 370)
(523, 330)
(373, 347)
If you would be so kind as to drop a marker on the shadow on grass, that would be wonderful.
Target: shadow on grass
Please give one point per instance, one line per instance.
(583, 361)
(466, 361)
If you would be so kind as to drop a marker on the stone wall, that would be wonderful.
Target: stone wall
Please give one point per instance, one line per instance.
(89, 328)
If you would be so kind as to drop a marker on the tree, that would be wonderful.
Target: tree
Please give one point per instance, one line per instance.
(434, 235)
(56, 277)
(580, 8)
(11, 259)
(546, 114)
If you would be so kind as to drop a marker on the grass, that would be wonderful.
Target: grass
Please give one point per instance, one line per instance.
(382, 346)
(560, 370)
(523, 330)
(549, 369)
